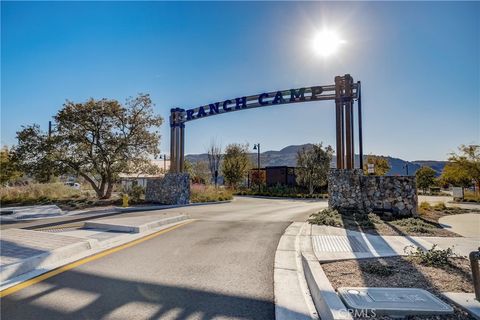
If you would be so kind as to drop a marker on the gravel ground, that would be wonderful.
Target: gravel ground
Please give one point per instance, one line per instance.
(402, 272)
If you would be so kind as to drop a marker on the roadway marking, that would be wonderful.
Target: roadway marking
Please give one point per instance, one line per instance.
(80, 262)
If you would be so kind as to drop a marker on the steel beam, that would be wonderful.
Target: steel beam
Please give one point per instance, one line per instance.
(172, 140)
(339, 122)
(182, 147)
(360, 134)
(349, 142)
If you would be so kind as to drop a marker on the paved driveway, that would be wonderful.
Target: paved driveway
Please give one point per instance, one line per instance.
(218, 267)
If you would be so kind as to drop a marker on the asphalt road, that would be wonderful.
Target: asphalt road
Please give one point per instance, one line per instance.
(218, 267)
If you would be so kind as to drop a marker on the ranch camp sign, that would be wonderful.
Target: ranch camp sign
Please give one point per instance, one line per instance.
(343, 92)
(315, 93)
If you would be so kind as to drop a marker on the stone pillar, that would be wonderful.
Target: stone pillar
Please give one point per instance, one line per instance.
(352, 191)
(173, 188)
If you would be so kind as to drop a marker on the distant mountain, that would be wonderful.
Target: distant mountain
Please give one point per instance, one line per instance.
(434, 164)
(288, 157)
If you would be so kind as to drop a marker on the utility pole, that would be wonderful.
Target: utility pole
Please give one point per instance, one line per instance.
(49, 136)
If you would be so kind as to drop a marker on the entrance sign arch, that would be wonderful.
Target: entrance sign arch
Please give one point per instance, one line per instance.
(344, 92)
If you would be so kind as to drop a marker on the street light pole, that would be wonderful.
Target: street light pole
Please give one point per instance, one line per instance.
(406, 167)
(164, 157)
(164, 163)
(257, 147)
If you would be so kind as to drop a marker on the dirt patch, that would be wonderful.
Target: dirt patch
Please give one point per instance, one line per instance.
(401, 272)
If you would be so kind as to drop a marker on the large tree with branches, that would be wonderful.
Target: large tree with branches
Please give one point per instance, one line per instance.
(313, 165)
(96, 140)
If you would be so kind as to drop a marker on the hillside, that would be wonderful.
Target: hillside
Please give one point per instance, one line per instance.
(288, 157)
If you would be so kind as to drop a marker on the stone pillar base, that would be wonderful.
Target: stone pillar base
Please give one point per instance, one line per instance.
(352, 191)
(174, 188)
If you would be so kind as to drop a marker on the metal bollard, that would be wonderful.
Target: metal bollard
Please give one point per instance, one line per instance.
(474, 257)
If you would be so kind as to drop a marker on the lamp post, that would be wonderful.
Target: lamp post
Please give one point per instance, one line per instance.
(406, 167)
(164, 157)
(257, 147)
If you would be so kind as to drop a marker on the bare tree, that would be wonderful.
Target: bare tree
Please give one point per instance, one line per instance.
(214, 156)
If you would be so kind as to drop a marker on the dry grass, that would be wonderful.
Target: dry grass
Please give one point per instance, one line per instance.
(37, 193)
(470, 196)
(399, 272)
(67, 198)
(204, 193)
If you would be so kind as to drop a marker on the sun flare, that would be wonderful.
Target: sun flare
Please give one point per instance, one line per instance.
(327, 43)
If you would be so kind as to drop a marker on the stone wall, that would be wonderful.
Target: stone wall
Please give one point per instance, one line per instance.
(174, 188)
(351, 190)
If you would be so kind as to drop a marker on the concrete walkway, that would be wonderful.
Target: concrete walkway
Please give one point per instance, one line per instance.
(330, 243)
(23, 251)
(467, 225)
(29, 212)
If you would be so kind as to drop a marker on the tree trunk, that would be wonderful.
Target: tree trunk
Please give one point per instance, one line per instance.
(108, 193)
(101, 189)
(92, 183)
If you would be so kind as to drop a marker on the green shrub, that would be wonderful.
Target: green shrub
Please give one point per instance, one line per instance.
(440, 206)
(414, 225)
(327, 217)
(361, 220)
(136, 193)
(331, 217)
(432, 257)
(425, 206)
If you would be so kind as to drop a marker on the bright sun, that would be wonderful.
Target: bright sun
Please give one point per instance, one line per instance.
(327, 43)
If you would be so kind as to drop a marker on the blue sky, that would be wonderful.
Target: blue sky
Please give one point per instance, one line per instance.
(418, 63)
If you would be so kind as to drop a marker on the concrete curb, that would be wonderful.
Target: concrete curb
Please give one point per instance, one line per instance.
(292, 298)
(12, 270)
(35, 266)
(94, 224)
(115, 210)
(282, 198)
(327, 302)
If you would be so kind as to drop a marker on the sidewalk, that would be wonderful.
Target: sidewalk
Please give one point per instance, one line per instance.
(31, 213)
(331, 243)
(467, 224)
(25, 252)
(300, 281)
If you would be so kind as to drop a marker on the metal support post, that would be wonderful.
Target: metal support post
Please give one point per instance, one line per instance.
(339, 122)
(349, 142)
(181, 130)
(172, 141)
(177, 140)
(360, 134)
